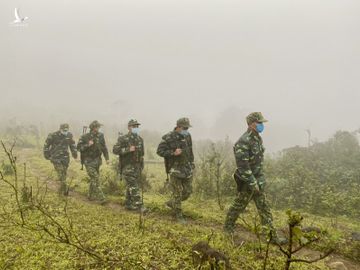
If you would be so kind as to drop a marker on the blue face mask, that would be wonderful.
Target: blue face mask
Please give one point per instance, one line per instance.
(260, 127)
(135, 130)
(64, 132)
(184, 132)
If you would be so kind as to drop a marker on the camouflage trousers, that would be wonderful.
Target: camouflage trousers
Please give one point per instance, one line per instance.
(181, 189)
(241, 201)
(93, 170)
(132, 177)
(61, 170)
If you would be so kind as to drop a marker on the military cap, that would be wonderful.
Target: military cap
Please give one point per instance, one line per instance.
(183, 122)
(133, 122)
(94, 124)
(64, 127)
(255, 117)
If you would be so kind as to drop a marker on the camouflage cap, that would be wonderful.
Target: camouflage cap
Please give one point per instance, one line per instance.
(133, 122)
(255, 117)
(94, 124)
(183, 122)
(64, 127)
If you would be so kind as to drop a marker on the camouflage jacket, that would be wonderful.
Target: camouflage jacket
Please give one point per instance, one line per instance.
(249, 155)
(89, 152)
(56, 147)
(122, 148)
(182, 163)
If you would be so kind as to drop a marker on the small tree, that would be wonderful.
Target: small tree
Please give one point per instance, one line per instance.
(298, 240)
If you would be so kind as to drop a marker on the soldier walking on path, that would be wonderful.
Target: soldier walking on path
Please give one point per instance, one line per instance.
(56, 149)
(176, 149)
(130, 148)
(91, 146)
(249, 176)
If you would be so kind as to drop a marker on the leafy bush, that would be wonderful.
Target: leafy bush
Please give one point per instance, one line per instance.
(323, 178)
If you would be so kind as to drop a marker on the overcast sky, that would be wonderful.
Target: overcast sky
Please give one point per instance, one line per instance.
(214, 61)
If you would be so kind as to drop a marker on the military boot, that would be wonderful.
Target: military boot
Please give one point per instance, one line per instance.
(169, 204)
(143, 209)
(131, 207)
(279, 241)
(180, 218)
(228, 230)
(63, 189)
(275, 239)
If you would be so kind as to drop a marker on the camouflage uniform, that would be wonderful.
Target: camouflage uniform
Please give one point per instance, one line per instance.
(131, 165)
(56, 149)
(179, 167)
(249, 155)
(91, 156)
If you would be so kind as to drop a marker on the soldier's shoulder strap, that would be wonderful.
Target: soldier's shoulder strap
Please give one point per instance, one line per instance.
(54, 136)
(123, 138)
(245, 139)
(50, 136)
(85, 137)
(170, 136)
(55, 133)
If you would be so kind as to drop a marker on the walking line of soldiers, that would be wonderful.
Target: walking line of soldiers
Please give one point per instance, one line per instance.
(176, 149)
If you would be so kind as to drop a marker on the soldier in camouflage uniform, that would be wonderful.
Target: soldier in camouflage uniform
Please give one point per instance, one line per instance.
(249, 175)
(130, 148)
(176, 149)
(56, 149)
(91, 146)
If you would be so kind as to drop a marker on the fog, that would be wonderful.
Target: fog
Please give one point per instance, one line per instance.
(214, 61)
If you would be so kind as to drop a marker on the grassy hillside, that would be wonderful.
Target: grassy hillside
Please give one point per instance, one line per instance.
(126, 240)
